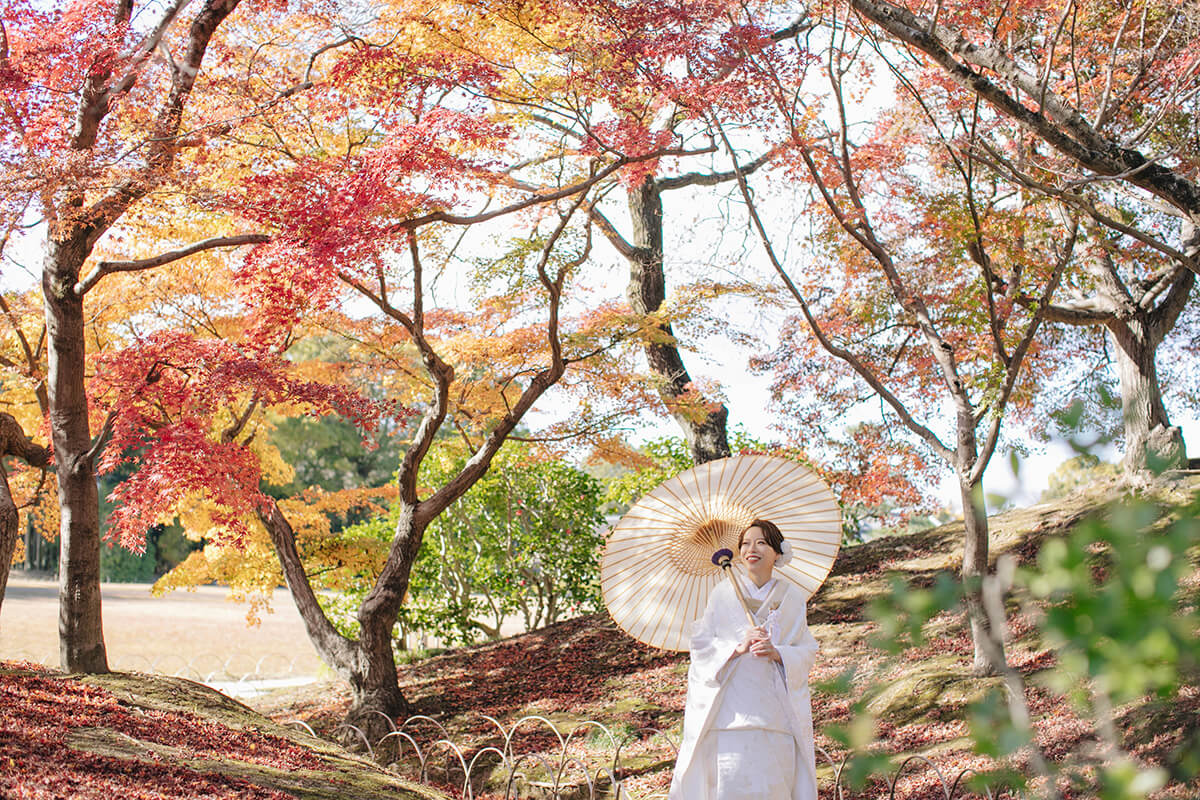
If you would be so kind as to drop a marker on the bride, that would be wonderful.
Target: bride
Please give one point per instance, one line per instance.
(747, 726)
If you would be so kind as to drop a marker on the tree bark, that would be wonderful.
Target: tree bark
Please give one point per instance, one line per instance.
(1137, 326)
(367, 664)
(73, 231)
(705, 433)
(9, 521)
(81, 637)
(974, 570)
(13, 442)
(1149, 435)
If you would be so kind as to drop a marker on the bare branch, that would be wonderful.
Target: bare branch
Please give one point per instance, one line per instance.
(611, 233)
(109, 267)
(239, 424)
(863, 371)
(15, 442)
(713, 178)
(101, 439)
(548, 197)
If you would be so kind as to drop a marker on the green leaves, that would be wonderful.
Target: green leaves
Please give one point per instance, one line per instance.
(522, 543)
(1116, 616)
(1114, 603)
(902, 614)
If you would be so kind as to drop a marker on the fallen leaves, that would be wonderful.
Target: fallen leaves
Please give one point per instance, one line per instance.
(40, 712)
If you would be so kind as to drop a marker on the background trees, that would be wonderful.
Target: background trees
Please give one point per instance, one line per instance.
(522, 542)
(94, 123)
(1101, 100)
(918, 255)
(422, 186)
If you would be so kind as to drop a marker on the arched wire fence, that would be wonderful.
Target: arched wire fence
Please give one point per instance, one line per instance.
(587, 763)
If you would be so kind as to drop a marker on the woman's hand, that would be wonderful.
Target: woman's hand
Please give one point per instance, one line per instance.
(753, 636)
(763, 648)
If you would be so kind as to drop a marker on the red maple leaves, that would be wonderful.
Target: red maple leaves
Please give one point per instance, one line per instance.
(178, 405)
(41, 715)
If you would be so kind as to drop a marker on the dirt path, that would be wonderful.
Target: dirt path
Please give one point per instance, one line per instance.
(200, 635)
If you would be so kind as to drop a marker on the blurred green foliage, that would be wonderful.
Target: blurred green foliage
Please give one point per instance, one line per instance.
(522, 542)
(1115, 601)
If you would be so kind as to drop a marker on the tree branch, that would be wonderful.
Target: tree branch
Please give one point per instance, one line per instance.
(611, 233)
(15, 442)
(319, 628)
(541, 199)
(109, 267)
(1056, 122)
(1082, 202)
(1013, 368)
(713, 178)
(863, 371)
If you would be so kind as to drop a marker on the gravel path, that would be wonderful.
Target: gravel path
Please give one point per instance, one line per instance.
(199, 634)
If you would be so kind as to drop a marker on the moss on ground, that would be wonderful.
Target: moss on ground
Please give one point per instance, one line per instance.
(342, 774)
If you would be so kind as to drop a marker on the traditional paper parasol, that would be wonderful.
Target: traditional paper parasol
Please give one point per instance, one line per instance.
(658, 567)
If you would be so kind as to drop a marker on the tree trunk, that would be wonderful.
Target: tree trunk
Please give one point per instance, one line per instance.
(987, 658)
(988, 652)
(13, 442)
(1150, 439)
(367, 664)
(705, 431)
(81, 637)
(9, 523)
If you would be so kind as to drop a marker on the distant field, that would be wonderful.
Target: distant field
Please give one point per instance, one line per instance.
(200, 635)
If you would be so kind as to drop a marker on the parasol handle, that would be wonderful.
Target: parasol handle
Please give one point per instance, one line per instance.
(723, 558)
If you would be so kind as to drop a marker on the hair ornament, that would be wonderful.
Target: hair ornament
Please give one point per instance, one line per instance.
(785, 555)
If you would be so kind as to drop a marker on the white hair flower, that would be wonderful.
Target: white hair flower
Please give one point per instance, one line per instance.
(786, 555)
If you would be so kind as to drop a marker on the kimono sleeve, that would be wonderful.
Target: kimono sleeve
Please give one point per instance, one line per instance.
(714, 638)
(798, 649)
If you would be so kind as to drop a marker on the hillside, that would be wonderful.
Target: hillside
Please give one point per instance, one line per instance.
(144, 737)
(586, 669)
(138, 736)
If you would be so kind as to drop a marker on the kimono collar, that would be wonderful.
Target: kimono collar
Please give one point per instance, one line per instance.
(759, 593)
(762, 600)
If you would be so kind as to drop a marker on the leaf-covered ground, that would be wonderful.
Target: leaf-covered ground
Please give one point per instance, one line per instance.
(587, 669)
(138, 736)
(154, 738)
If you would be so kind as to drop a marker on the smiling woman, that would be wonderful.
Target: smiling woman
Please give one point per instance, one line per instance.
(747, 730)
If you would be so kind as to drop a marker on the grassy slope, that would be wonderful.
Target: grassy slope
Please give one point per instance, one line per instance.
(139, 736)
(586, 669)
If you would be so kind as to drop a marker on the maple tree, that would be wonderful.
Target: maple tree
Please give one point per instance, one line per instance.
(190, 397)
(908, 233)
(1102, 98)
(361, 215)
(96, 100)
(657, 66)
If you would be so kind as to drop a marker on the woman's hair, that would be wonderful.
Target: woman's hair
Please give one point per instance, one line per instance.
(770, 531)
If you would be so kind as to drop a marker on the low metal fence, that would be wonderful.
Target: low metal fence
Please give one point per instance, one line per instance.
(422, 749)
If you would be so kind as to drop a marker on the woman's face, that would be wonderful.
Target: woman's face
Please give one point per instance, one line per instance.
(757, 553)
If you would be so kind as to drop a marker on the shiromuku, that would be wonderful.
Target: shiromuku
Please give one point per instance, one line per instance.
(747, 727)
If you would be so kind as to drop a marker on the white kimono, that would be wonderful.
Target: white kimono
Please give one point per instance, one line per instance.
(747, 726)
